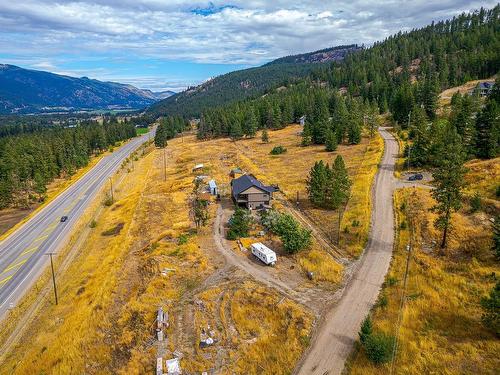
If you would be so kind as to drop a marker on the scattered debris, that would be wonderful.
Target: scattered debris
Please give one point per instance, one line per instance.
(173, 366)
(201, 178)
(159, 366)
(166, 271)
(197, 167)
(212, 186)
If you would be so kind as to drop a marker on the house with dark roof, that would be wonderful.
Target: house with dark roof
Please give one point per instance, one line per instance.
(484, 88)
(249, 192)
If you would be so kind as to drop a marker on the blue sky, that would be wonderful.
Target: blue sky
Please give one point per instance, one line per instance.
(171, 44)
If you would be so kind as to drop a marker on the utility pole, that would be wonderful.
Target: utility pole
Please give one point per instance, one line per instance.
(53, 275)
(111, 190)
(164, 165)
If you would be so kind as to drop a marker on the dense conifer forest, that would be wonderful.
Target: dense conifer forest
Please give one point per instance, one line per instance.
(31, 156)
(402, 75)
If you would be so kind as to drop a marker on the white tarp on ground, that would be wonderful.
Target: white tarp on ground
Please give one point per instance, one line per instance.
(173, 366)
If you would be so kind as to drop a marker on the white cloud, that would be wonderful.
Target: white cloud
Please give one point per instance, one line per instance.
(237, 32)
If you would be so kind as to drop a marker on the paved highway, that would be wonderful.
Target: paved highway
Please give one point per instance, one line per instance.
(23, 253)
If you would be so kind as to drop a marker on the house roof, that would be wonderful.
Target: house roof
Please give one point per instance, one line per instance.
(485, 85)
(247, 181)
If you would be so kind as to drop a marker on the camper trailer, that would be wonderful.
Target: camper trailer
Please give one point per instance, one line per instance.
(264, 253)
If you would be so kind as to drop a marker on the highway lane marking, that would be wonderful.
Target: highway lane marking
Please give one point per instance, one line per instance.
(27, 251)
(5, 280)
(14, 266)
(40, 238)
(50, 227)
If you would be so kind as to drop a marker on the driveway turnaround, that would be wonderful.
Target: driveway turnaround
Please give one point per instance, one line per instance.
(339, 328)
(23, 253)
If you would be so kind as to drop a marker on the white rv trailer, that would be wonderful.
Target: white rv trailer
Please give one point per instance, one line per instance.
(264, 253)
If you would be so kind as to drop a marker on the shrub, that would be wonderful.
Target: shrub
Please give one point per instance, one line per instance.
(382, 300)
(476, 203)
(491, 310)
(293, 236)
(239, 224)
(378, 347)
(108, 201)
(93, 224)
(391, 280)
(497, 193)
(366, 330)
(183, 239)
(278, 150)
(403, 225)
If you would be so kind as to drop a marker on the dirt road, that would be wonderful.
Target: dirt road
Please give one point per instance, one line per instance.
(339, 328)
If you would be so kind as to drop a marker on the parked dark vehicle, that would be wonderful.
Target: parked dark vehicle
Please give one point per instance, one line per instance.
(63, 219)
(416, 177)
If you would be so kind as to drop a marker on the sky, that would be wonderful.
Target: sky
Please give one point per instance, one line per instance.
(172, 44)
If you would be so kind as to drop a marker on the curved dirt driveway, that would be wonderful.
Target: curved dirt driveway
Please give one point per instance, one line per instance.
(338, 330)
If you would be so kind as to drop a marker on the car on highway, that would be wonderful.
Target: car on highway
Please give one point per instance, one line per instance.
(63, 219)
(416, 177)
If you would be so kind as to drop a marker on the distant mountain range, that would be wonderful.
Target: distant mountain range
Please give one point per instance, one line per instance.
(247, 83)
(33, 91)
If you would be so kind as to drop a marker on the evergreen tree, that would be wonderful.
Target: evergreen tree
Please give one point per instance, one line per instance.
(488, 131)
(250, 123)
(338, 184)
(161, 135)
(330, 141)
(236, 132)
(306, 134)
(317, 183)
(265, 136)
(449, 181)
(491, 310)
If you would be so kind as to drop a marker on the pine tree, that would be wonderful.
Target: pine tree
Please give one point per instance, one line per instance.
(338, 186)
(317, 183)
(330, 141)
(161, 135)
(250, 123)
(306, 134)
(265, 136)
(236, 132)
(488, 131)
(449, 180)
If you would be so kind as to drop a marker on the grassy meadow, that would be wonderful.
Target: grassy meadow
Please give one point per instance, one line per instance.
(143, 252)
(441, 330)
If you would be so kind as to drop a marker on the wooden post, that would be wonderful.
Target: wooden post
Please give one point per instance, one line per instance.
(111, 189)
(53, 276)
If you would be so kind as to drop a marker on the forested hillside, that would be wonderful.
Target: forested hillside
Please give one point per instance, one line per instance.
(248, 83)
(403, 75)
(337, 53)
(33, 157)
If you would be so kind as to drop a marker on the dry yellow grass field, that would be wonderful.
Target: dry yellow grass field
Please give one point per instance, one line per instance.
(441, 331)
(483, 177)
(110, 292)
